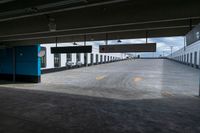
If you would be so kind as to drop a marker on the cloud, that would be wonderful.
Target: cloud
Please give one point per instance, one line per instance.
(163, 44)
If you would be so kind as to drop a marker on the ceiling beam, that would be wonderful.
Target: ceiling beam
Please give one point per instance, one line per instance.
(118, 19)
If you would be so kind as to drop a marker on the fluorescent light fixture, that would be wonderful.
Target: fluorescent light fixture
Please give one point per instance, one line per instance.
(119, 41)
(5, 1)
(59, 3)
(75, 43)
(52, 24)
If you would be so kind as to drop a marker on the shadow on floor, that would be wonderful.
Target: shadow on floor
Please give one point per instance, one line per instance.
(29, 111)
(6, 82)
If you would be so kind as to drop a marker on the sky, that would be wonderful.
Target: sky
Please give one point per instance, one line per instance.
(163, 44)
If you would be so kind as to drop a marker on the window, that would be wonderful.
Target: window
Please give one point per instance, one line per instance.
(191, 58)
(195, 59)
(101, 58)
(78, 57)
(97, 58)
(108, 58)
(188, 58)
(85, 58)
(69, 57)
(57, 60)
(104, 58)
(181, 58)
(91, 58)
(44, 58)
(199, 59)
(184, 58)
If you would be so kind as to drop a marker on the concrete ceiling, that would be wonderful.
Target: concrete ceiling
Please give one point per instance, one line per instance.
(23, 22)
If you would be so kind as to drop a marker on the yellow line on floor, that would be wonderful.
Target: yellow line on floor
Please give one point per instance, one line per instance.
(137, 79)
(166, 93)
(100, 77)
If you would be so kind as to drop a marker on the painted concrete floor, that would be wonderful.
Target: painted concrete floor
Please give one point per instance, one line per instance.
(138, 96)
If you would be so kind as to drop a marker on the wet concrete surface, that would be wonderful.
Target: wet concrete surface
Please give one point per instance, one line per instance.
(140, 96)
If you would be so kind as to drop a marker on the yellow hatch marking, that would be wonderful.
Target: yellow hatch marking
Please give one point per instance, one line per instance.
(100, 77)
(137, 79)
(166, 93)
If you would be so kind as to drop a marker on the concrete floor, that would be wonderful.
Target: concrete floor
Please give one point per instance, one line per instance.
(140, 96)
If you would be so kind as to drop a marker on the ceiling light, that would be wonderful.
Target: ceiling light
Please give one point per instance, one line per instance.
(119, 41)
(52, 24)
(5, 1)
(59, 4)
(75, 43)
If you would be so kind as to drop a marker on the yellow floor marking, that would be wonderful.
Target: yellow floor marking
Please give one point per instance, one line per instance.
(137, 79)
(166, 93)
(100, 77)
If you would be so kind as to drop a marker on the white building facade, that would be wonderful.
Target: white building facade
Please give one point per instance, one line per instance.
(190, 54)
(50, 61)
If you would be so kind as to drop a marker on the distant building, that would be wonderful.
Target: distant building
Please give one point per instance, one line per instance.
(49, 60)
(190, 54)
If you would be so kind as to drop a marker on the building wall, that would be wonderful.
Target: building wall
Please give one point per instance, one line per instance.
(187, 55)
(95, 50)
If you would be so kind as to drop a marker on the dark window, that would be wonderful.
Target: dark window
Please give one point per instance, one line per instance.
(97, 58)
(108, 58)
(195, 58)
(57, 60)
(69, 57)
(78, 57)
(199, 59)
(85, 58)
(191, 58)
(188, 58)
(184, 58)
(104, 58)
(44, 58)
(101, 58)
(91, 58)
